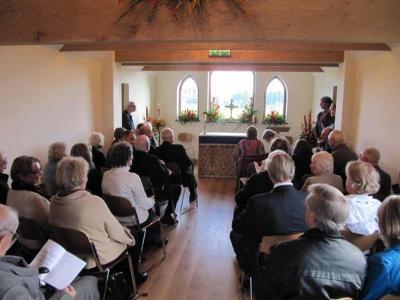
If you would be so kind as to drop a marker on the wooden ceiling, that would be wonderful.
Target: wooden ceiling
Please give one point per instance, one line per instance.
(289, 35)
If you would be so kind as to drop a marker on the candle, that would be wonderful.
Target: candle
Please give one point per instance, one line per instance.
(147, 113)
(158, 111)
(205, 117)
(253, 119)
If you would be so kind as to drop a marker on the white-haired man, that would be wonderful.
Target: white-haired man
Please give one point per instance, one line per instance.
(170, 152)
(278, 212)
(320, 264)
(372, 156)
(19, 281)
(127, 120)
(341, 153)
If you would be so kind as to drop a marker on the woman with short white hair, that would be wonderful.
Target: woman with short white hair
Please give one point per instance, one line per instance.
(322, 168)
(96, 141)
(362, 181)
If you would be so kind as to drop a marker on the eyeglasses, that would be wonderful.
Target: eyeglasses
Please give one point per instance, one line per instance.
(15, 235)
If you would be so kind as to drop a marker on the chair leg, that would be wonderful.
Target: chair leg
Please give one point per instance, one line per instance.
(251, 288)
(183, 199)
(134, 286)
(162, 240)
(106, 284)
(142, 245)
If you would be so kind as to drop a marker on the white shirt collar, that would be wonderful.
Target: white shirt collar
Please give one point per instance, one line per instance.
(282, 184)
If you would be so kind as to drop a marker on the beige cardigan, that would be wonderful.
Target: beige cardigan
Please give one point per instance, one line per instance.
(89, 214)
(29, 205)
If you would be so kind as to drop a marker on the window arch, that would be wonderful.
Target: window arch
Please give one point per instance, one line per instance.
(276, 97)
(231, 87)
(188, 96)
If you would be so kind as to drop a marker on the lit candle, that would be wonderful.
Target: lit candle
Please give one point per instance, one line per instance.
(205, 117)
(147, 113)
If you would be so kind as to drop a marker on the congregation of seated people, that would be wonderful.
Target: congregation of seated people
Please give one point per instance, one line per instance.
(69, 194)
(330, 230)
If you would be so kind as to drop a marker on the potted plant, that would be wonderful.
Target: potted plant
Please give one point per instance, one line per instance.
(188, 115)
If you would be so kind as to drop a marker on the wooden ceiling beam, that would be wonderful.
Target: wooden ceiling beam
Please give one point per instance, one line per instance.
(80, 21)
(237, 56)
(255, 68)
(177, 45)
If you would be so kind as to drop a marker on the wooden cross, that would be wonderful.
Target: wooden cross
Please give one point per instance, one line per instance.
(231, 107)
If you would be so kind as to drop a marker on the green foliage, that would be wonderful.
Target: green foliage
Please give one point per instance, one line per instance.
(188, 115)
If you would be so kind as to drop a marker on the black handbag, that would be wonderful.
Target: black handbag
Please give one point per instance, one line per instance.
(118, 287)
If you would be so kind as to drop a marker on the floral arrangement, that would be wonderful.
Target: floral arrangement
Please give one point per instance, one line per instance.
(213, 114)
(248, 114)
(158, 123)
(307, 129)
(274, 118)
(176, 8)
(188, 115)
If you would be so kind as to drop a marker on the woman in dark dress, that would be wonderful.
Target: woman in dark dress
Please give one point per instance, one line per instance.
(94, 176)
(302, 154)
(98, 157)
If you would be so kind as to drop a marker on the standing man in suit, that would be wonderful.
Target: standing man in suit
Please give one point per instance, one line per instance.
(279, 212)
(170, 152)
(127, 120)
(372, 156)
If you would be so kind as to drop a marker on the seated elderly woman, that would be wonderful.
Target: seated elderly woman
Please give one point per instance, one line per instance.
(3, 178)
(362, 181)
(268, 136)
(96, 141)
(20, 281)
(322, 168)
(74, 207)
(25, 195)
(93, 184)
(248, 146)
(120, 182)
(320, 264)
(56, 152)
(383, 275)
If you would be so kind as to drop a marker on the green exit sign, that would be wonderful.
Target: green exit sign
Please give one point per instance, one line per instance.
(219, 53)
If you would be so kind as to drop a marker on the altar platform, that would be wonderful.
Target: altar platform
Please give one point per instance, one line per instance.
(217, 153)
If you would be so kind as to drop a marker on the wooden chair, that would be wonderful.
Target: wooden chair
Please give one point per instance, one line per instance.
(364, 242)
(390, 297)
(79, 244)
(187, 138)
(31, 238)
(249, 168)
(176, 172)
(148, 188)
(121, 207)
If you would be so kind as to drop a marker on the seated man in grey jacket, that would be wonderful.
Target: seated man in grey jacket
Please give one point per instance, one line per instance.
(19, 281)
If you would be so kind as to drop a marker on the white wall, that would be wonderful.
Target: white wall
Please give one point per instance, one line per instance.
(300, 99)
(46, 96)
(140, 90)
(376, 106)
(323, 86)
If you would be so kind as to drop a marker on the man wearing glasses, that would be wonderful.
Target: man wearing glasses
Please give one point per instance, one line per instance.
(19, 281)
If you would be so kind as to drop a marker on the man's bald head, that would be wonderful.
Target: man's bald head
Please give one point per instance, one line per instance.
(145, 130)
(142, 143)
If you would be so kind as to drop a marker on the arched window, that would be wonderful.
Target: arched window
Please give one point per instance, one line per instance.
(231, 91)
(188, 97)
(275, 98)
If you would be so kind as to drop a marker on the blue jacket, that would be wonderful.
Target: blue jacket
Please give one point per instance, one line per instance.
(383, 275)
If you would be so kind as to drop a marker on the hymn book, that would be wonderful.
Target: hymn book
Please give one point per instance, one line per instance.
(63, 266)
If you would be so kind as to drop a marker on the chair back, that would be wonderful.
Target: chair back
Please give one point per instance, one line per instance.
(185, 137)
(271, 240)
(76, 242)
(120, 207)
(147, 185)
(390, 297)
(363, 242)
(31, 235)
(174, 167)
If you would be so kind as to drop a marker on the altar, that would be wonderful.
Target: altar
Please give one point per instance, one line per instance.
(217, 153)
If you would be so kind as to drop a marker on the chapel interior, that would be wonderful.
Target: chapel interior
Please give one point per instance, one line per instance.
(69, 68)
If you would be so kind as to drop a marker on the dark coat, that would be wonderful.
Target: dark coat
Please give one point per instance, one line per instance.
(3, 188)
(257, 184)
(318, 265)
(386, 185)
(127, 121)
(342, 154)
(99, 159)
(282, 211)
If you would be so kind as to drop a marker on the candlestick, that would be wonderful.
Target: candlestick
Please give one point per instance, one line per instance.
(158, 111)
